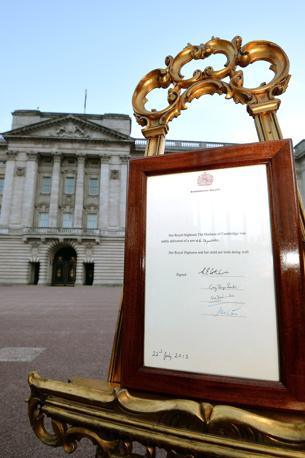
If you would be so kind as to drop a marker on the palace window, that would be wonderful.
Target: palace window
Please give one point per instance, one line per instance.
(93, 186)
(67, 220)
(91, 221)
(69, 185)
(43, 219)
(46, 185)
(1, 185)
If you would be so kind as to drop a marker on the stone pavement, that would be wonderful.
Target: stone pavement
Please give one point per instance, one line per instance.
(59, 332)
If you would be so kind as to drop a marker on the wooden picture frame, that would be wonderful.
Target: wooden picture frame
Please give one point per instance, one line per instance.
(262, 362)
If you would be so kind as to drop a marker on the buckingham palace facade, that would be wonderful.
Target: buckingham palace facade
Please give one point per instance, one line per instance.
(63, 196)
(63, 180)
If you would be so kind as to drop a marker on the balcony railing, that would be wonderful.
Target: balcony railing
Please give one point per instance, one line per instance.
(71, 232)
(181, 145)
(60, 231)
(65, 232)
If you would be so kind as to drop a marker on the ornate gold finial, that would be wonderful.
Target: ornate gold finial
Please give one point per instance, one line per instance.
(180, 91)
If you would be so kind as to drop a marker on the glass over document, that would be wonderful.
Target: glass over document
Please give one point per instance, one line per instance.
(210, 304)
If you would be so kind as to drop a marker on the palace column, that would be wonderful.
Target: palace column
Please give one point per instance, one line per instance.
(79, 193)
(29, 190)
(8, 188)
(53, 210)
(123, 190)
(104, 193)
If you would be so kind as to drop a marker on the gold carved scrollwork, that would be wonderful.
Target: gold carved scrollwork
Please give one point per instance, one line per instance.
(68, 436)
(113, 419)
(37, 419)
(180, 91)
(63, 434)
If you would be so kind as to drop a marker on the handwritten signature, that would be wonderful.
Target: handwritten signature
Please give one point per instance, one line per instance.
(223, 299)
(223, 287)
(232, 312)
(216, 298)
(208, 270)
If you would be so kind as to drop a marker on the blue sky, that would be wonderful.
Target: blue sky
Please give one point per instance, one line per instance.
(52, 50)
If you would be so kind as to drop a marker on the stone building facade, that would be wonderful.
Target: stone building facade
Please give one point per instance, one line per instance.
(62, 197)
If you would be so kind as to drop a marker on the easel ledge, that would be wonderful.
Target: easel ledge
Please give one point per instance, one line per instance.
(112, 418)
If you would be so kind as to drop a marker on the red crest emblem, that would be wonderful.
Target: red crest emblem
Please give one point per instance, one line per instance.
(205, 179)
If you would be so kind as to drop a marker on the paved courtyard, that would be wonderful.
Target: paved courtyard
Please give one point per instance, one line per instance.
(59, 332)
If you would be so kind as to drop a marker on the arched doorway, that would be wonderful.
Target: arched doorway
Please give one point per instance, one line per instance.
(64, 267)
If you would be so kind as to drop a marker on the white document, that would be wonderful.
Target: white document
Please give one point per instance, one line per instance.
(210, 305)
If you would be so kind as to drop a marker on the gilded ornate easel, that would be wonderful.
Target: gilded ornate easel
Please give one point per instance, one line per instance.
(107, 413)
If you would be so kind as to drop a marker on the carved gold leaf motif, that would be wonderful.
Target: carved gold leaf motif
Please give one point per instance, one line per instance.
(112, 419)
(180, 90)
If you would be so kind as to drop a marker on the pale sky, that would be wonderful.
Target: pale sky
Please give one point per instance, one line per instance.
(52, 50)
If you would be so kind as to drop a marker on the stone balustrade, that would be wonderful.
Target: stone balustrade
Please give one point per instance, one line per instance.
(181, 145)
